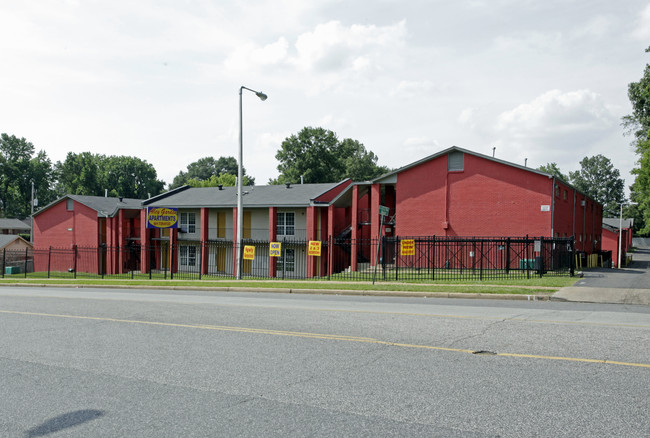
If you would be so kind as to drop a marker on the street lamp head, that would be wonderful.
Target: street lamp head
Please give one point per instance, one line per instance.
(261, 95)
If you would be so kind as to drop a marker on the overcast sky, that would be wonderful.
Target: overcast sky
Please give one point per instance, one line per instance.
(544, 80)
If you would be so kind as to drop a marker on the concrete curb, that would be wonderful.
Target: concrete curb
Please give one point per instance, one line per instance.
(378, 293)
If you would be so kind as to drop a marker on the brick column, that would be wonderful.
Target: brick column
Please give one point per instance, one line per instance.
(273, 228)
(312, 227)
(144, 242)
(355, 225)
(322, 213)
(121, 241)
(330, 236)
(375, 199)
(205, 236)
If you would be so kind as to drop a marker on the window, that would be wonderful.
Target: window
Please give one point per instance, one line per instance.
(455, 161)
(188, 255)
(290, 257)
(557, 191)
(566, 194)
(286, 224)
(188, 222)
(69, 204)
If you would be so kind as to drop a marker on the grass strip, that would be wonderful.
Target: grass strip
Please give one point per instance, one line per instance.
(525, 289)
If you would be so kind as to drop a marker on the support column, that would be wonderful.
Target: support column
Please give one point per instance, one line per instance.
(205, 236)
(121, 241)
(375, 199)
(311, 235)
(321, 215)
(330, 236)
(354, 244)
(145, 243)
(273, 228)
(173, 249)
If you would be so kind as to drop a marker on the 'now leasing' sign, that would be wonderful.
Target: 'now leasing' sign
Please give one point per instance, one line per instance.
(249, 252)
(162, 217)
(314, 248)
(407, 247)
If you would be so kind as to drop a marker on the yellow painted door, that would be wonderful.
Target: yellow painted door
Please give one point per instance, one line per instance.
(221, 259)
(221, 225)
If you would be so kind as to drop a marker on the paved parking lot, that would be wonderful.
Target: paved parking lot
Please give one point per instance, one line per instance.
(629, 285)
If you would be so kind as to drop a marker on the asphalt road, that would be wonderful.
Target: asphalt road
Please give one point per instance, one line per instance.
(88, 362)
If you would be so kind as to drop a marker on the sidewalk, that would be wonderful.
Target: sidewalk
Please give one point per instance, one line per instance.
(629, 285)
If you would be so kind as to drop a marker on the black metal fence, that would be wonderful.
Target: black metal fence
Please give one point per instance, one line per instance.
(423, 259)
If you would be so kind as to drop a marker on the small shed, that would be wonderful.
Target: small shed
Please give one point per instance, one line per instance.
(15, 254)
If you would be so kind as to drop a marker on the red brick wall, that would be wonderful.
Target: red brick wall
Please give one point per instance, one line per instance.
(610, 243)
(487, 198)
(59, 228)
(51, 227)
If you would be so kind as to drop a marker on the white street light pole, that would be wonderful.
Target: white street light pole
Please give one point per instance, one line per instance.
(240, 171)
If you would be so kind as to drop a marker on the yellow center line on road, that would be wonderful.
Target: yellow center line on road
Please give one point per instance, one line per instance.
(321, 336)
(382, 312)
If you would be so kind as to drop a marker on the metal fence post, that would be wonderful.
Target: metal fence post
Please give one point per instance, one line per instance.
(508, 256)
(542, 254)
(26, 255)
(433, 258)
(527, 257)
(49, 259)
(330, 259)
(4, 264)
(74, 269)
(481, 263)
(171, 259)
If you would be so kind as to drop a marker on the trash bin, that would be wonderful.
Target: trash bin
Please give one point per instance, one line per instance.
(526, 263)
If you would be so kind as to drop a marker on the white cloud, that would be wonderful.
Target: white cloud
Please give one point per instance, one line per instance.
(332, 46)
(250, 55)
(642, 27)
(555, 114)
(556, 127)
(410, 89)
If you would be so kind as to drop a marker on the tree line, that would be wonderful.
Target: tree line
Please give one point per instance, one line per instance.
(314, 155)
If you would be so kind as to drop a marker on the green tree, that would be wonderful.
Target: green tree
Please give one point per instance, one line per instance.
(225, 179)
(130, 177)
(19, 167)
(319, 156)
(205, 168)
(553, 169)
(601, 181)
(638, 124)
(80, 174)
(93, 174)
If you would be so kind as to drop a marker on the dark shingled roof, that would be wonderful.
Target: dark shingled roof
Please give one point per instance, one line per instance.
(6, 239)
(104, 206)
(298, 195)
(614, 222)
(13, 224)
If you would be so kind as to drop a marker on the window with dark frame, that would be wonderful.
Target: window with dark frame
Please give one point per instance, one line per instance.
(286, 223)
(188, 222)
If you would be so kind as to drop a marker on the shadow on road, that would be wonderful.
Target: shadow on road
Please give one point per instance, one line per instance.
(64, 421)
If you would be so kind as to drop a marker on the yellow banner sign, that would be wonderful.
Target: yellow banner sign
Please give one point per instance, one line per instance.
(162, 217)
(407, 247)
(314, 248)
(249, 252)
(275, 249)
